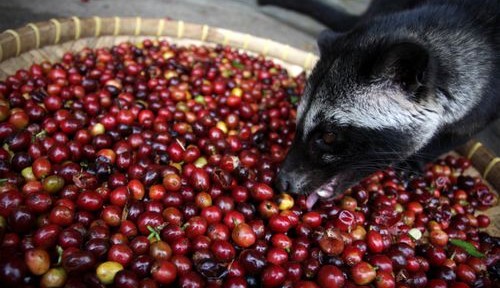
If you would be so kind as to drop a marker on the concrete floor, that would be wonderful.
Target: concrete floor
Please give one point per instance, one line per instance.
(239, 15)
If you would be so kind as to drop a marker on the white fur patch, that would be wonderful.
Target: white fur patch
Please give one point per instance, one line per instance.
(303, 103)
(382, 105)
(389, 109)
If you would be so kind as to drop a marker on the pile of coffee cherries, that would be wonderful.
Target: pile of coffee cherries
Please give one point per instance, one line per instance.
(152, 165)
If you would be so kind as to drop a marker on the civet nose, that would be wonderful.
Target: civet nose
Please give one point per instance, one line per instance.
(284, 182)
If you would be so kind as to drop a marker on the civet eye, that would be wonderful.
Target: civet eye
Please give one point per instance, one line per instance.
(328, 138)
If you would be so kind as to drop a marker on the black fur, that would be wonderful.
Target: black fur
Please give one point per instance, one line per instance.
(436, 51)
(319, 10)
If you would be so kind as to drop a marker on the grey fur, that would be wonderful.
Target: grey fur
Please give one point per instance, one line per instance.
(366, 88)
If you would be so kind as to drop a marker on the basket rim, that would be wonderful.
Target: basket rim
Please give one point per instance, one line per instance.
(14, 42)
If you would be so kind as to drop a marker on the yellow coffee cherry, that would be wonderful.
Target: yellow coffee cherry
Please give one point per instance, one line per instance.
(106, 271)
(285, 201)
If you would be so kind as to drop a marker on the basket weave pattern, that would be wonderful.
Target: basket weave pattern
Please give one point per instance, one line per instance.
(72, 34)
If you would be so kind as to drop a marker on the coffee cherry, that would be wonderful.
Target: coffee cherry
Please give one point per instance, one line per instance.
(331, 245)
(252, 261)
(273, 276)
(37, 260)
(55, 277)
(78, 261)
(223, 250)
(261, 192)
(106, 271)
(285, 201)
(243, 235)
(363, 273)
(330, 276)
(164, 272)
(466, 273)
(438, 237)
(155, 165)
(374, 241)
(126, 279)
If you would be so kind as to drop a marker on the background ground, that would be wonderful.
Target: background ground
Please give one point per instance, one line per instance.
(239, 15)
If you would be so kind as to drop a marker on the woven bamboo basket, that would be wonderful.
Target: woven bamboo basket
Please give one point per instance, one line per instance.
(49, 40)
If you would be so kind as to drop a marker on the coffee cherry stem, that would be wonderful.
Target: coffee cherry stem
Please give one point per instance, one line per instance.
(400, 276)
(125, 212)
(154, 233)
(452, 257)
(41, 134)
(415, 234)
(59, 255)
(199, 99)
(180, 144)
(7, 148)
(236, 222)
(38, 136)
